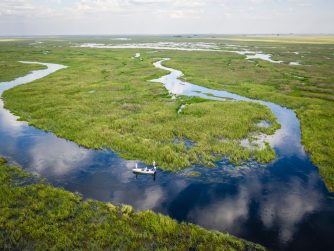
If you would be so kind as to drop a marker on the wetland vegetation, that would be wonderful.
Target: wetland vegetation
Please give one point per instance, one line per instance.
(308, 88)
(11, 69)
(37, 216)
(104, 100)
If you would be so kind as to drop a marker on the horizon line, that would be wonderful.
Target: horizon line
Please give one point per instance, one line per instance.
(173, 34)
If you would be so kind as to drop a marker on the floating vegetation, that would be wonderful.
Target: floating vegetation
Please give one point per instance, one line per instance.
(224, 171)
(193, 174)
(264, 124)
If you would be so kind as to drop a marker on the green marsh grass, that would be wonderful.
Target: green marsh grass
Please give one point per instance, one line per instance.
(103, 100)
(37, 216)
(9, 70)
(308, 88)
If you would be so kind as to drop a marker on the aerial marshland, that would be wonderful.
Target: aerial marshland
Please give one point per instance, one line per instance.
(89, 224)
(113, 105)
(104, 100)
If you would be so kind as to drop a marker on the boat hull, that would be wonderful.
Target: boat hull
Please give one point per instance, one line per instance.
(143, 171)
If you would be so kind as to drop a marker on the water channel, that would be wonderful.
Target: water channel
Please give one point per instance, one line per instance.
(283, 205)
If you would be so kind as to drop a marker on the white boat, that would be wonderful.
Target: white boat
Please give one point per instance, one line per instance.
(145, 170)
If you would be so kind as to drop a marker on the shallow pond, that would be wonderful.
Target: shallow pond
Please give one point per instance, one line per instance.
(191, 46)
(283, 205)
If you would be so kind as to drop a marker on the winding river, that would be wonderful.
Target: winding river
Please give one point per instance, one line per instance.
(283, 205)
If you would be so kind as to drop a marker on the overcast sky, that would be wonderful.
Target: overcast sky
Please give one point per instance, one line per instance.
(58, 17)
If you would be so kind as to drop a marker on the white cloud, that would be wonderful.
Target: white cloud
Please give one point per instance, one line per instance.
(164, 16)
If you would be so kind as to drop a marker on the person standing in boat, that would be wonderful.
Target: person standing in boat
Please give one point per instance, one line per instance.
(154, 167)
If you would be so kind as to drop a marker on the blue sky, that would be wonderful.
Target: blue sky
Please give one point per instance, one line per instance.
(52, 17)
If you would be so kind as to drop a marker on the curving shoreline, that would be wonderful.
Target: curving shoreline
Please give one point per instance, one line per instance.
(286, 140)
(230, 192)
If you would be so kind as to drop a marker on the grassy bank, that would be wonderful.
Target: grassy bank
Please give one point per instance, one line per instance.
(103, 100)
(11, 69)
(308, 89)
(106, 102)
(36, 216)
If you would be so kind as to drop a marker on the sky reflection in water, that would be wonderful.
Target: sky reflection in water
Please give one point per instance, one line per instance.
(276, 204)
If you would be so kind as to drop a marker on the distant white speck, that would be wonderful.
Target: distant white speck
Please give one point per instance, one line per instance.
(294, 63)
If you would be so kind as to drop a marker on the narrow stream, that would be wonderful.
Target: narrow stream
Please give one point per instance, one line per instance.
(283, 205)
(285, 141)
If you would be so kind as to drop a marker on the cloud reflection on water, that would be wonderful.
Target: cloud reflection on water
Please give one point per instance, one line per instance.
(282, 205)
(287, 139)
(141, 198)
(289, 205)
(51, 156)
(9, 122)
(229, 213)
(221, 198)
